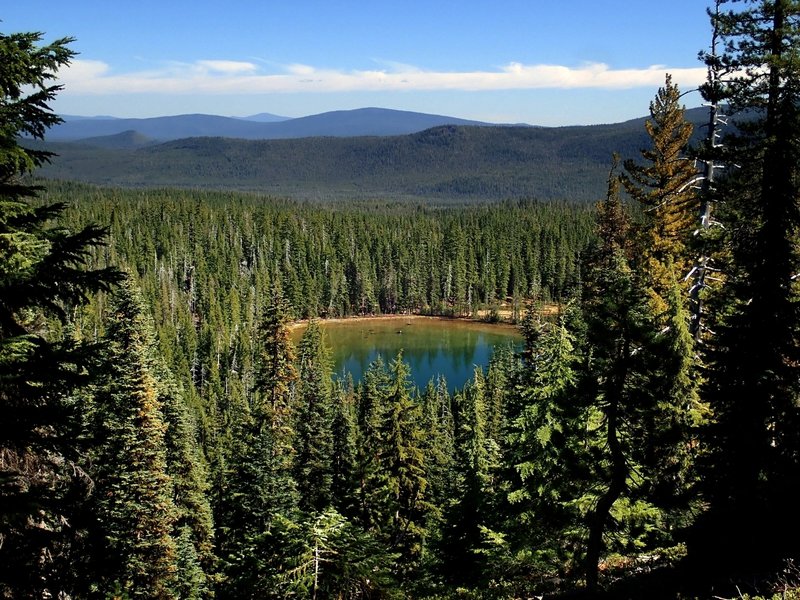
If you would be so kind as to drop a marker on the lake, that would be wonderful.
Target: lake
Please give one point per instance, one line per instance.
(431, 346)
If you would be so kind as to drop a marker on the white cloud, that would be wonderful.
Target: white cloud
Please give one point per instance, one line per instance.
(83, 70)
(298, 69)
(223, 76)
(227, 66)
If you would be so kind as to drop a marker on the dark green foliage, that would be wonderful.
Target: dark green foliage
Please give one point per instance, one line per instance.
(752, 384)
(275, 371)
(332, 558)
(472, 496)
(313, 464)
(194, 528)
(547, 451)
(638, 380)
(620, 331)
(402, 459)
(258, 489)
(372, 409)
(250, 508)
(28, 70)
(44, 275)
(134, 501)
(439, 425)
(208, 261)
(344, 465)
(601, 425)
(555, 468)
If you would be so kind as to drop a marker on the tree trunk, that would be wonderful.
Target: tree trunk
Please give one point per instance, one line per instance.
(618, 474)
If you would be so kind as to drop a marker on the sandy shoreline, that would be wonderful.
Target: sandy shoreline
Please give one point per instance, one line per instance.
(399, 317)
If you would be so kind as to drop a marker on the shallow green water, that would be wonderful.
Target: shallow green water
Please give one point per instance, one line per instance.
(431, 347)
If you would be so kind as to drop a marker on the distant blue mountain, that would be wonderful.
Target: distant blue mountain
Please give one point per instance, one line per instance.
(343, 123)
(363, 122)
(264, 118)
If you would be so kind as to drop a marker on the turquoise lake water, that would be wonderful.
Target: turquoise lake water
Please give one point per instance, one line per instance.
(432, 347)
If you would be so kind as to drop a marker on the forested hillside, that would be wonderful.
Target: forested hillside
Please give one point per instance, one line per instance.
(454, 163)
(162, 437)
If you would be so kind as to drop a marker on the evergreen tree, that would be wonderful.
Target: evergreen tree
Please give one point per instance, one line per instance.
(440, 472)
(44, 275)
(752, 382)
(273, 413)
(620, 331)
(638, 380)
(193, 530)
(344, 430)
(335, 559)
(473, 497)
(439, 447)
(372, 408)
(276, 370)
(546, 447)
(261, 494)
(599, 428)
(313, 467)
(135, 494)
(670, 432)
(663, 186)
(402, 459)
(710, 154)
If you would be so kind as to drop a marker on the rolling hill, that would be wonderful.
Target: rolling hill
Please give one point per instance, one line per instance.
(343, 123)
(446, 163)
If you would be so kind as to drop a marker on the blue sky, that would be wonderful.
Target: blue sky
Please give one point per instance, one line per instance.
(541, 62)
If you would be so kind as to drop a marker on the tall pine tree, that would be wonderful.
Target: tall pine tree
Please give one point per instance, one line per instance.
(258, 506)
(663, 186)
(134, 500)
(753, 384)
(44, 274)
(313, 465)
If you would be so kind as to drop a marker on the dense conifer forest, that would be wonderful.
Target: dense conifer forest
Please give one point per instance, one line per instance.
(162, 437)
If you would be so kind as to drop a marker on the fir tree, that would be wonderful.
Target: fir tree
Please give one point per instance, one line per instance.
(473, 497)
(344, 431)
(752, 384)
(335, 559)
(638, 379)
(663, 186)
(546, 450)
(439, 447)
(273, 413)
(402, 459)
(44, 275)
(313, 467)
(372, 407)
(620, 331)
(276, 371)
(260, 492)
(135, 494)
(193, 530)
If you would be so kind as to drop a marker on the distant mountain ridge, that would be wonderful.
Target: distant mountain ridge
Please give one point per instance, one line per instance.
(264, 117)
(450, 162)
(263, 126)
